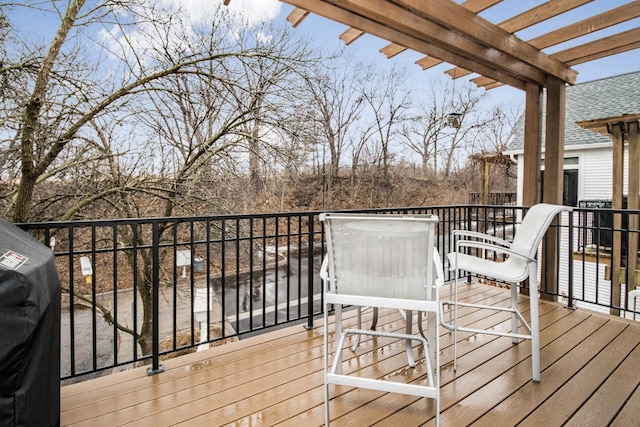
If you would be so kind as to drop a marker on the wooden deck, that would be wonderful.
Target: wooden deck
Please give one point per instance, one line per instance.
(589, 377)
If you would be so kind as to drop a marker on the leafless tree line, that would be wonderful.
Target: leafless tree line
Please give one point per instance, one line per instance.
(106, 121)
(132, 111)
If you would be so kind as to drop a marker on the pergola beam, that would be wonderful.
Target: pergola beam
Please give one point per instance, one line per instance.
(601, 48)
(475, 6)
(456, 19)
(608, 46)
(446, 31)
(539, 14)
(392, 50)
(409, 28)
(404, 38)
(587, 26)
(296, 16)
(350, 35)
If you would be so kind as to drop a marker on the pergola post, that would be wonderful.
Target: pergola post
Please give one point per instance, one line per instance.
(553, 179)
(633, 202)
(532, 145)
(485, 180)
(622, 128)
(554, 142)
(617, 133)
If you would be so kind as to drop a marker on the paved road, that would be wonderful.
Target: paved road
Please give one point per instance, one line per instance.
(105, 344)
(273, 290)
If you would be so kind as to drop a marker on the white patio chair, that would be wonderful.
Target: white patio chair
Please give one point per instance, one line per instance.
(632, 297)
(382, 261)
(439, 281)
(519, 265)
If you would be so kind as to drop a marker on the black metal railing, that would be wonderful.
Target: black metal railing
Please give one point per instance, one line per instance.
(136, 291)
(494, 199)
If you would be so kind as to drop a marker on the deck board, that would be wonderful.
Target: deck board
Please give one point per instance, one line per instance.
(589, 363)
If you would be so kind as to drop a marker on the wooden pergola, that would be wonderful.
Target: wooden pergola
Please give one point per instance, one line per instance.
(455, 33)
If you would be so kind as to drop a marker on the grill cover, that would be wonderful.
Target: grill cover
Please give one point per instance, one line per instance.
(29, 331)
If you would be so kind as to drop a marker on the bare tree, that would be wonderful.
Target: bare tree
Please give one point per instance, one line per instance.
(421, 132)
(142, 121)
(387, 102)
(71, 88)
(336, 104)
(496, 130)
(428, 134)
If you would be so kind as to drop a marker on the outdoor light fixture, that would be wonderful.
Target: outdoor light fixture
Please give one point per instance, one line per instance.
(454, 120)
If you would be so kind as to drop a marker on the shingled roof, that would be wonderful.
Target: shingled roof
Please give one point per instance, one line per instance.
(597, 99)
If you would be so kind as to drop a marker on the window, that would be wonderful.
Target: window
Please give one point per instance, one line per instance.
(570, 181)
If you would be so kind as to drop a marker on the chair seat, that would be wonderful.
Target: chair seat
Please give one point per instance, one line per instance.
(511, 270)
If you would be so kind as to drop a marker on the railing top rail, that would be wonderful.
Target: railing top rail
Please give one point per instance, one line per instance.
(218, 217)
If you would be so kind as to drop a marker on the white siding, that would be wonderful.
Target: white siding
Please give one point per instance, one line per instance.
(595, 182)
(595, 174)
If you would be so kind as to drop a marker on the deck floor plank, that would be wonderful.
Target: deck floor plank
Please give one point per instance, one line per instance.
(460, 384)
(512, 387)
(629, 415)
(603, 406)
(474, 351)
(589, 364)
(615, 343)
(562, 356)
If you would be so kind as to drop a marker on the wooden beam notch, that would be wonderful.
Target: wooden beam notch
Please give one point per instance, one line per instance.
(350, 35)
(296, 16)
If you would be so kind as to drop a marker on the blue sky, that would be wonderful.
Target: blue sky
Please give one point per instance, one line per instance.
(367, 47)
(325, 33)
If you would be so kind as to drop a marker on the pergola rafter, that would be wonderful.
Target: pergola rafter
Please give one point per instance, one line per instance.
(480, 35)
(446, 31)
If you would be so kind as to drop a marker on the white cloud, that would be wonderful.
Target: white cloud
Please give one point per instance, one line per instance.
(251, 12)
(140, 38)
(256, 11)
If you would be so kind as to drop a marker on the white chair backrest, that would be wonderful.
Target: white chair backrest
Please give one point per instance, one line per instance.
(389, 256)
(534, 225)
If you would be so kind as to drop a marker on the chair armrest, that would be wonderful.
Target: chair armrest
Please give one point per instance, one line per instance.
(491, 247)
(485, 237)
(438, 267)
(324, 274)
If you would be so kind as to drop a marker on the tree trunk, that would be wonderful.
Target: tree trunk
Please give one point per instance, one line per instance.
(24, 197)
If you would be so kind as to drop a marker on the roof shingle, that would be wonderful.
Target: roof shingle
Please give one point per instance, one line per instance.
(597, 99)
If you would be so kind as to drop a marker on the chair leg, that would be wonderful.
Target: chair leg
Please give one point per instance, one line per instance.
(455, 322)
(514, 317)
(326, 404)
(336, 337)
(374, 323)
(535, 324)
(356, 339)
(409, 319)
(325, 351)
(433, 336)
(451, 284)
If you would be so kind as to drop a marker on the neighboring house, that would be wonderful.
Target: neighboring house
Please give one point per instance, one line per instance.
(588, 164)
(588, 155)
